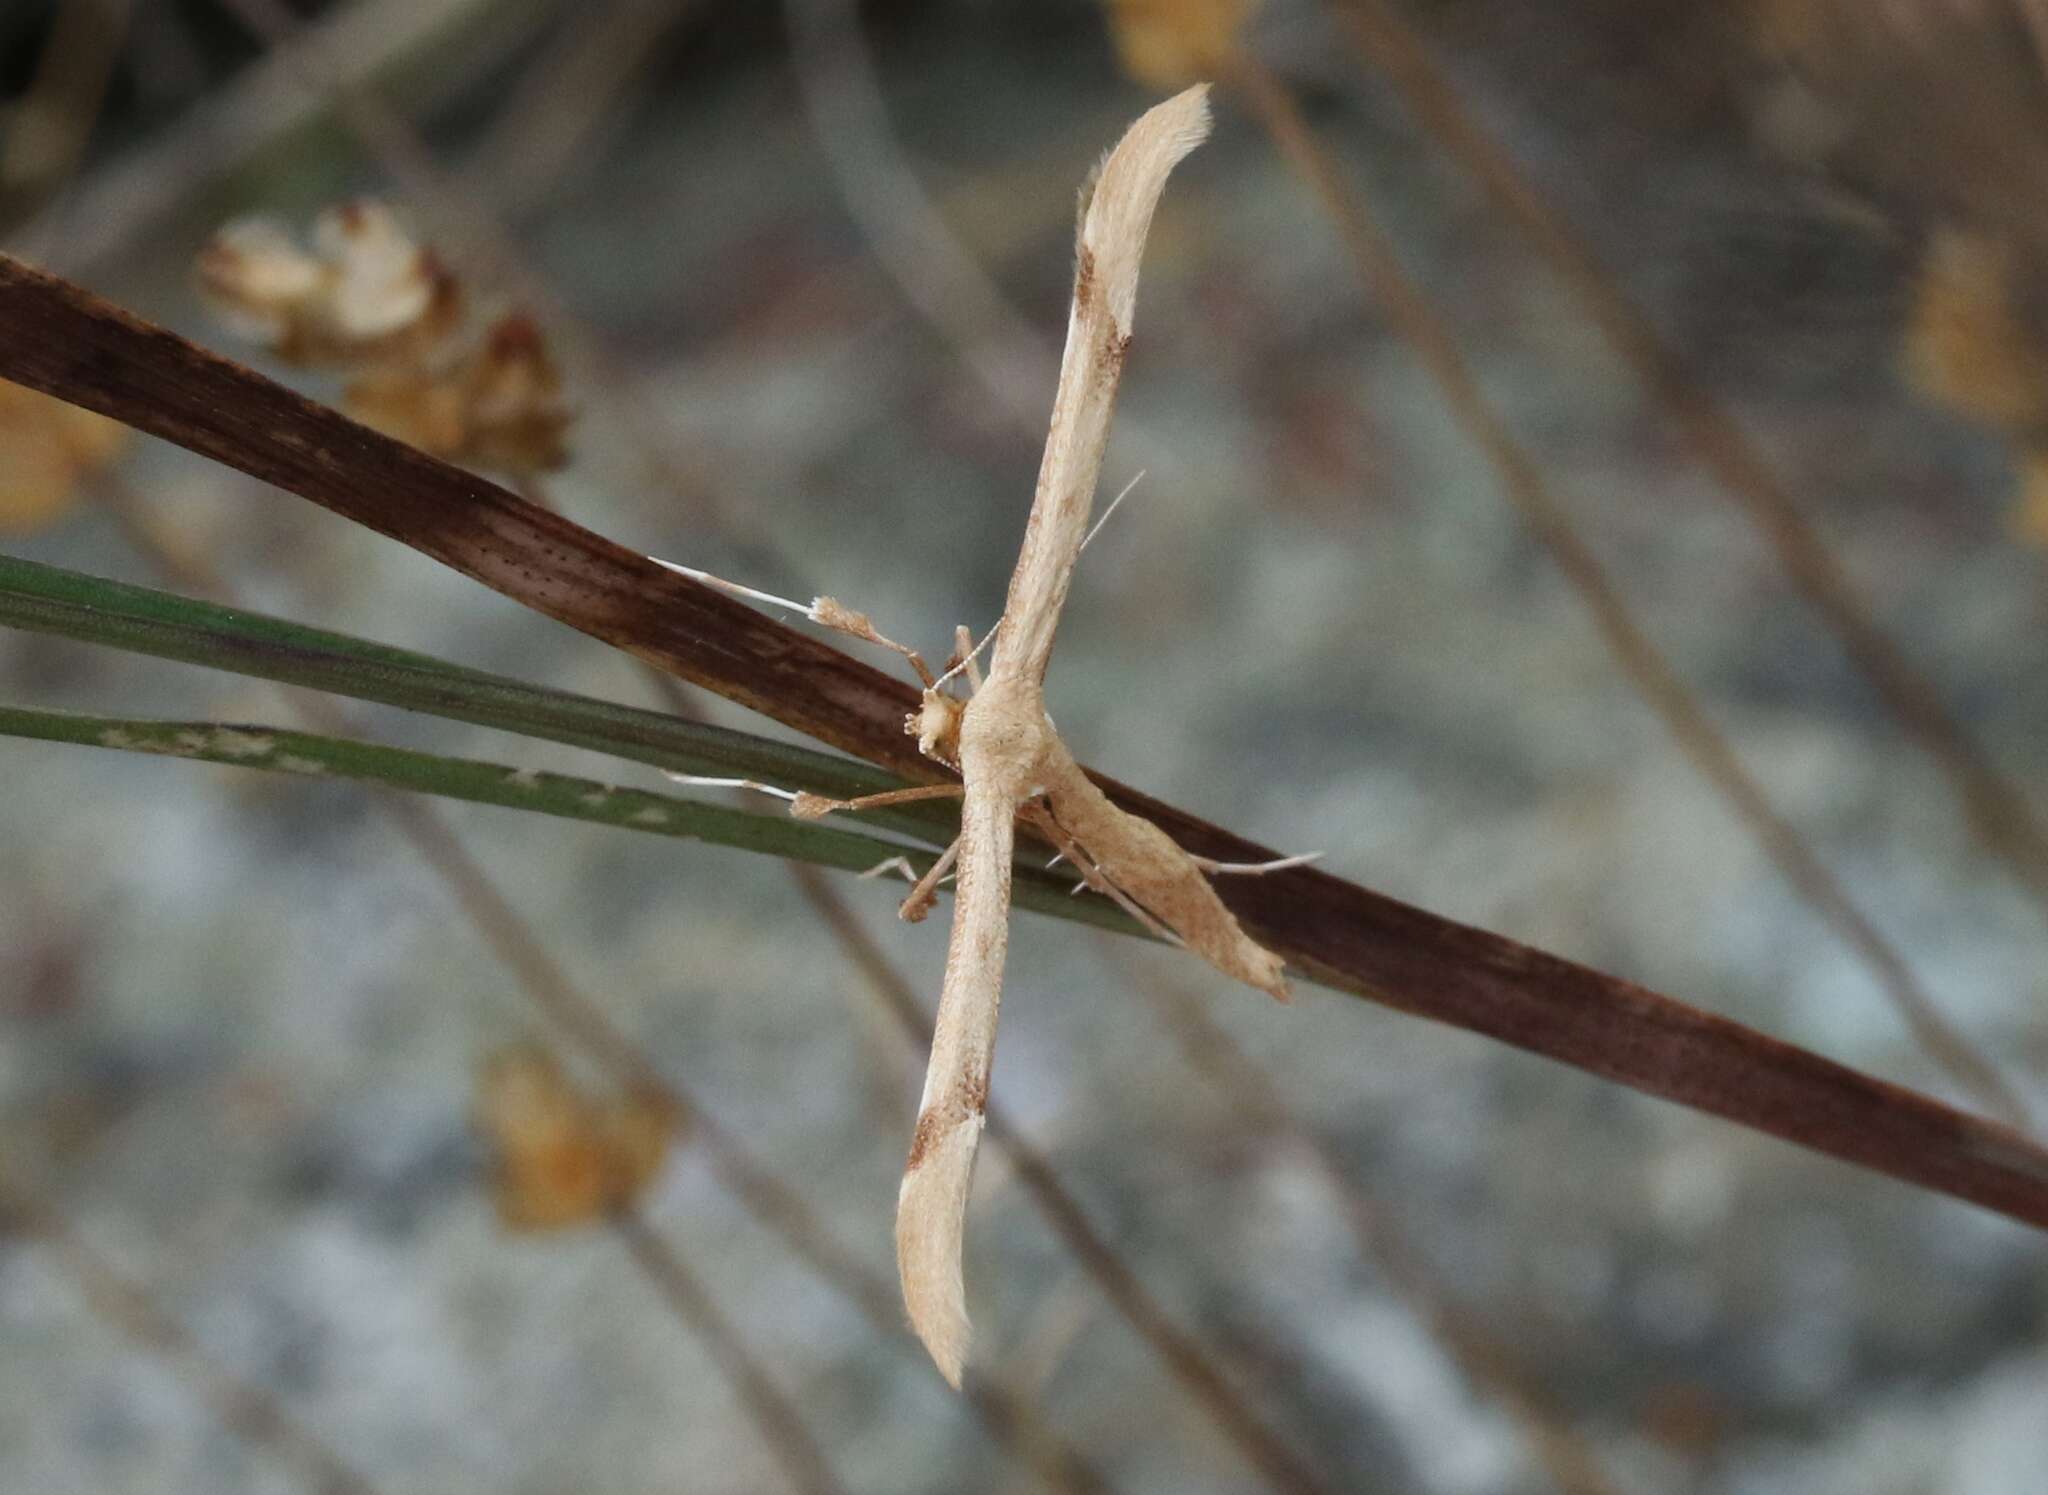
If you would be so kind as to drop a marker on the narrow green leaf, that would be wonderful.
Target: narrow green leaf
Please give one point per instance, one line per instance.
(562, 795)
(49, 599)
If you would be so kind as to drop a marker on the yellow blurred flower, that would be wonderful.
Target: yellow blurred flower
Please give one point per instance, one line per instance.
(1168, 44)
(562, 1159)
(46, 447)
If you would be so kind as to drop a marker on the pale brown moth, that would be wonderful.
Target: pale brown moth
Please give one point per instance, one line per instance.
(1011, 759)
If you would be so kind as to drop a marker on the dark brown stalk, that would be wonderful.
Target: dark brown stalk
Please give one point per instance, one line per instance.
(244, 1406)
(1999, 811)
(1660, 685)
(66, 342)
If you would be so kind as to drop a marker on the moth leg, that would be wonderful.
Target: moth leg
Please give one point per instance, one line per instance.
(808, 806)
(1254, 869)
(964, 650)
(926, 890)
(832, 613)
(1041, 819)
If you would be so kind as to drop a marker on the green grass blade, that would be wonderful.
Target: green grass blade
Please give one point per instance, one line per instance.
(563, 795)
(49, 599)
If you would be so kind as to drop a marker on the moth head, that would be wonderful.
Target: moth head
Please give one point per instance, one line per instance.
(936, 726)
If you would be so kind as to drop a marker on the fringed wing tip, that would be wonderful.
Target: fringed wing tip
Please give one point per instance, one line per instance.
(1267, 972)
(1187, 113)
(931, 1214)
(1126, 188)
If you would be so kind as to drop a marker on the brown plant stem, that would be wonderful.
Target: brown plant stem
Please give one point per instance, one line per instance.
(250, 1411)
(71, 344)
(1999, 811)
(1660, 685)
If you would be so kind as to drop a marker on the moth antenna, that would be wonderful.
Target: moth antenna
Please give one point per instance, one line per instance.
(1256, 869)
(1089, 538)
(706, 781)
(827, 612)
(892, 864)
(719, 583)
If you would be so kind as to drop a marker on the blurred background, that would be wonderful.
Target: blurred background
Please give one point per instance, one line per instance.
(802, 268)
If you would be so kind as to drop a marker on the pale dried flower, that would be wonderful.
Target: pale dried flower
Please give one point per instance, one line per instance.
(382, 281)
(368, 299)
(364, 292)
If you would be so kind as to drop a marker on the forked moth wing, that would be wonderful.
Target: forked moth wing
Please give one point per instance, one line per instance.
(1150, 866)
(1112, 240)
(931, 1207)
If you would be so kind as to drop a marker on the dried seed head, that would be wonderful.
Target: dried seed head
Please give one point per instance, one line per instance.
(411, 405)
(382, 282)
(498, 406)
(369, 299)
(259, 279)
(365, 293)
